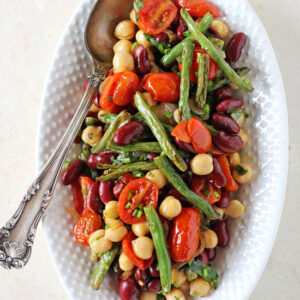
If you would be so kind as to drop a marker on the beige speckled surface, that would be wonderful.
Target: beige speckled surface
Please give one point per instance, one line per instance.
(29, 33)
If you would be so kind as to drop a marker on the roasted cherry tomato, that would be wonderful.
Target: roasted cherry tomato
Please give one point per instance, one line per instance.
(77, 196)
(181, 131)
(185, 234)
(119, 90)
(85, 183)
(231, 185)
(137, 194)
(86, 225)
(128, 250)
(201, 137)
(213, 67)
(198, 8)
(126, 178)
(205, 189)
(156, 16)
(163, 87)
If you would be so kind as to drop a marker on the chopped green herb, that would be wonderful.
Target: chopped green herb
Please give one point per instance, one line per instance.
(85, 192)
(66, 164)
(175, 284)
(160, 24)
(106, 227)
(217, 195)
(138, 174)
(168, 114)
(128, 205)
(206, 193)
(140, 206)
(90, 135)
(86, 232)
(247, 115)
(139, 214)
(110, 98)
(134, 45)
(235, 113)
(130, 194)
(241, 170)
(135, 212)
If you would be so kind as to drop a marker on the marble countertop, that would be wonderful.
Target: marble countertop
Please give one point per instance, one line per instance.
(29, 34)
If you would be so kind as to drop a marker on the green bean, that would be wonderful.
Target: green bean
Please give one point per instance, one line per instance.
(108, 118)
(187, 59)
(85, 151)
(111, 130)
(169, 58)
(206, 44)
(103, 266)
(143, 146)
(216, 84)
(89, 121)
(161, 248)
(203, 72)
(121, 170)
(138, 117)
(159, 132)
(202, 205)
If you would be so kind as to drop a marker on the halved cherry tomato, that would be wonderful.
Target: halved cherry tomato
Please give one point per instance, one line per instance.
(128, 250)
(77, 196)
(137, 192)
(143, 81)
(156, 16)
(163, 87)
(213, 67)
(198, 8)
(86, 225)
(126, 178)
(185, 234)
(205, 189)
(85, 183)
(201, 137)
(181, 131)
(231, 184)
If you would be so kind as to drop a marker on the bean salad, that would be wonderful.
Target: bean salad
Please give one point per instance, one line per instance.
(160, 160)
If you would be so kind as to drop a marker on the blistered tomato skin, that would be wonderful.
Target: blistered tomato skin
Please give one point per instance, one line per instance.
(185, 234)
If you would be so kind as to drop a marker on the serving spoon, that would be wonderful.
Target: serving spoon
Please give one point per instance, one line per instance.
(17, 235)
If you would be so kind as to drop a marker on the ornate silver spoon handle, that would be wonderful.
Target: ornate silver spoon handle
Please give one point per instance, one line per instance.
(17, 235)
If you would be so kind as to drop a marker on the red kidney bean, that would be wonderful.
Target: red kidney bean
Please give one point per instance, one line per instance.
(221, 229)
(215, 33)
(227, 142)
(141, 60)
(235, 46)
(154, 286)
(105, 157)
(152, 155)
(181, 29)
(217, 177)
(77, 140)
(71, 173)
(224, 92)
(162, 37)
(128, 289)
(229, 104)
(226, 122)
(92, 199)
(92, 114)
(225, 199)
(211, 253)
(153, 271)
(105, 191)
(117, 190)
(141, 276)
(186, 146)
(96, 100)
(204, 258)
(173, 192)
(127, 132)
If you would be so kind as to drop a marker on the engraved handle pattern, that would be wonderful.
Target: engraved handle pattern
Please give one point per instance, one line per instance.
(17, 235)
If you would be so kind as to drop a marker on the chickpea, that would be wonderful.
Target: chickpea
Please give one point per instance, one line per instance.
(148, 296)
(140, 229)
(234, 159)
(125, 30)
(170, 208)
(133, 16)
(125, 263)
(94, 108)
(157, 177)
(123, 61)
(243, 178)
(116, 231)
(175, 294)
(178, 277)
(172, 36)
(211, 238)
(241, 120)
(235, 209)
(202, 164)
(147, 96)
(140, 37)
(177, 116)
(123, 46)
(98, 243)
(199, 287)
(143, 247)
(220, 27)
(91, 135)
(111, 210)
(244, 136)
